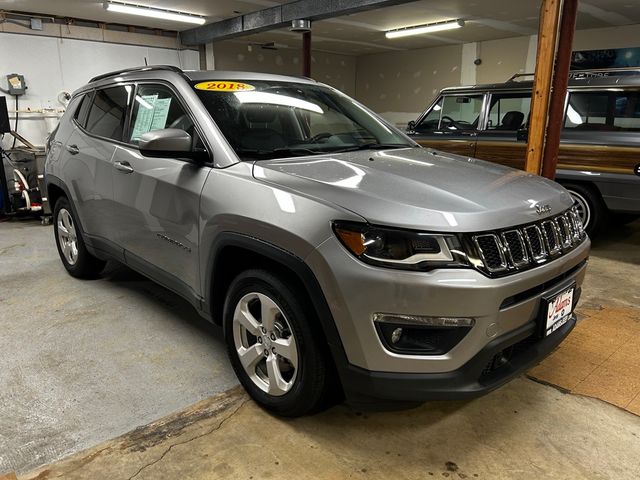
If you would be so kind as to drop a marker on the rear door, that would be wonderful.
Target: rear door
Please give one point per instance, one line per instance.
(157, 200)
(99, 125)
(451, 124)
(504, 139)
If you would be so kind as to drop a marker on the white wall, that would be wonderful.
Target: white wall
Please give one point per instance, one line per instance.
(51, 65)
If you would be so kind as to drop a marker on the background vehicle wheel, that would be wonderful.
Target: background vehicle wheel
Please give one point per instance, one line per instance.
(590, 206)
(272, 341)
(73, 253)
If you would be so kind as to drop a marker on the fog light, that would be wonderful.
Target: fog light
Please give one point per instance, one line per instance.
(418, 335)
(395, 335)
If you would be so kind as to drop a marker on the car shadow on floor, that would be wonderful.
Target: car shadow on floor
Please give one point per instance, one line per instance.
(124, 277)
(618, 242)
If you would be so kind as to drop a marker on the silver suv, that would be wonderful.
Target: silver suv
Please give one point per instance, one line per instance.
(339, 256)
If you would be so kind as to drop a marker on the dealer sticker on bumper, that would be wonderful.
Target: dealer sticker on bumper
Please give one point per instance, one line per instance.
(559, 310)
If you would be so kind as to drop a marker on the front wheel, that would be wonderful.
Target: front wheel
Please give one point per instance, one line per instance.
(273, 344)
(591, 208)
(71, 248)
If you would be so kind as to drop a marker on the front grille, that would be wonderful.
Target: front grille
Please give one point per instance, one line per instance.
(524, 247)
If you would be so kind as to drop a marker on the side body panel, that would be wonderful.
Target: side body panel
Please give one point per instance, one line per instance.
(155, 212)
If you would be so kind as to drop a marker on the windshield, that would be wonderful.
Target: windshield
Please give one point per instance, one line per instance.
(267, 119)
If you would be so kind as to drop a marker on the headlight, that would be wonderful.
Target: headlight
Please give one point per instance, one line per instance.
(403, 249)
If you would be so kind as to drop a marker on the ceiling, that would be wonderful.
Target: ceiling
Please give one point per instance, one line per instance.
(361, 33)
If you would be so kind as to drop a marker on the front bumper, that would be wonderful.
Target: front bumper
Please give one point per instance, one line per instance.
(521, 348)
(506, 312)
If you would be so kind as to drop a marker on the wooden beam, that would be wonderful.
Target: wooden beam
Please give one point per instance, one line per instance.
(559, 88)
(547, 39)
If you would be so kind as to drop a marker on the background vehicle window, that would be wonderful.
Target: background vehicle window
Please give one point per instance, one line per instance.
(603, 111)
(460, 112)
(509, 111)
(155, 108)
(80, 115)
(431, 121)
(108, 112)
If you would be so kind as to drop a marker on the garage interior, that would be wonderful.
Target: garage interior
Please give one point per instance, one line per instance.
(119, 377)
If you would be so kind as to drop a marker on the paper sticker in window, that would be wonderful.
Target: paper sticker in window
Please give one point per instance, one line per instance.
(151, 115)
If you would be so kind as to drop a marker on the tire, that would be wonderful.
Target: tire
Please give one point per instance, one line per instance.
(71, 248)
(592, 209)
(289, 381)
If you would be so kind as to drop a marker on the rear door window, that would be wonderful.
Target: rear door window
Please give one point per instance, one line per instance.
(509, 111)
(108, 112)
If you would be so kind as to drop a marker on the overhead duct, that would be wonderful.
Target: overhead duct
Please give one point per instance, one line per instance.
(280, 16)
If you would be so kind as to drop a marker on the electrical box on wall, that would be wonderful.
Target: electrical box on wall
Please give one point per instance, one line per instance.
(17, 86)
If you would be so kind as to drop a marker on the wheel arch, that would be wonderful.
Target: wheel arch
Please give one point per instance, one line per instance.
(231, 253)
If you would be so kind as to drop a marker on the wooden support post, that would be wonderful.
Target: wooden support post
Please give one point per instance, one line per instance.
(547, 37)
(559, 89)
(306, 54)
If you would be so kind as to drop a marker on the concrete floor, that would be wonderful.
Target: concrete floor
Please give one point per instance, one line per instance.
(523, 430)
(85, 361)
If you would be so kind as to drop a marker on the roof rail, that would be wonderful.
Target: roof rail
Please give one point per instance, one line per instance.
(595, 72)
(136, 69)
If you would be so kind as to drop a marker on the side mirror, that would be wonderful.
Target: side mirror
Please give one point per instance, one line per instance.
(411, 126)
(168, 143)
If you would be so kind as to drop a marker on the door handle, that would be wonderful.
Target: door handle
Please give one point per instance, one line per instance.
(73, 149)
(123, 167)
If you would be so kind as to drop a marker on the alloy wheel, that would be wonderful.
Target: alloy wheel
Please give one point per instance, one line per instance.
(265, 343)
(67, 236)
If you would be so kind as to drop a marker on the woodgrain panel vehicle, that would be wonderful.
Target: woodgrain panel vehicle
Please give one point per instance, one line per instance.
(599, 159)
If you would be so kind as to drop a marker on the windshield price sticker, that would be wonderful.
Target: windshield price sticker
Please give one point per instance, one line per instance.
(559, 311)
(224, 86)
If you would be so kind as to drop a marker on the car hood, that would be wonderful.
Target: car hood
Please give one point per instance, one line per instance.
(419, 188)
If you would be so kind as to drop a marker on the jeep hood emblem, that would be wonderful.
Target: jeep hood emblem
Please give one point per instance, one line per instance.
(542, 209)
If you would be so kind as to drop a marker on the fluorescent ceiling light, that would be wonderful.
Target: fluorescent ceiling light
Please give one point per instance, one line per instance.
(153, 13)
(420, 29)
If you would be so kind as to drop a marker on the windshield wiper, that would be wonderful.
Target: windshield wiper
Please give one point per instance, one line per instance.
(281, 152)
(373, 146)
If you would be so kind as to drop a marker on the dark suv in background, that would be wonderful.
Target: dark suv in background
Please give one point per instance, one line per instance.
(599, 159)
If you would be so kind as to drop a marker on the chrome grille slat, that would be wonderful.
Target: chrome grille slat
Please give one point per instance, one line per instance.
(516, 248)
(533, 235)
(492, 252)
(551, 237)
(529, 245)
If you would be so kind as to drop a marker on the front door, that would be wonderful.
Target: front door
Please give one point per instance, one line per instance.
(158, 199)
(451, 125)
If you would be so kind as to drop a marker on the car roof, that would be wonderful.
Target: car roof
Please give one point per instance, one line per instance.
(196, 75)
(577, 80)
(162, 71)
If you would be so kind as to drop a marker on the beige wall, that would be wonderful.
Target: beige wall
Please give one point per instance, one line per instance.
(501, 59)
(398, 82)
(612, 37)
(336, 70)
